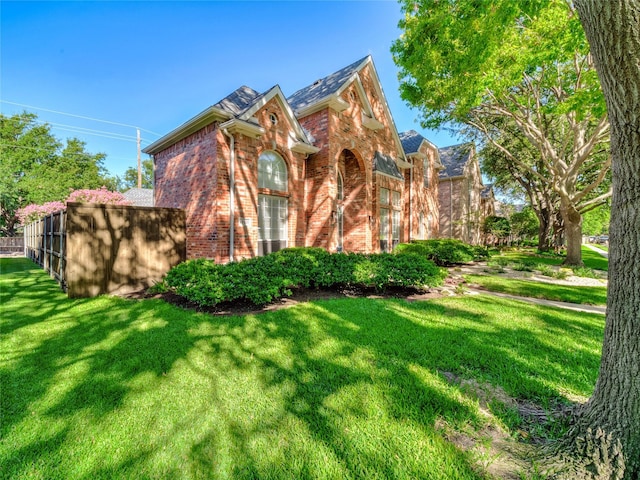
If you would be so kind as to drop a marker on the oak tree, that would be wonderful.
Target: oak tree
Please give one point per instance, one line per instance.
(481, 63)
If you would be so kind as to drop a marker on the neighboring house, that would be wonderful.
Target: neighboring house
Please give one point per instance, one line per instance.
(488, 206)
(459, 194)
(140, 197)
(421, 185)
(257, 172)
(488, 201)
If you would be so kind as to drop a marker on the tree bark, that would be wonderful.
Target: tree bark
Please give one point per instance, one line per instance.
(613, 32)
(572, 223)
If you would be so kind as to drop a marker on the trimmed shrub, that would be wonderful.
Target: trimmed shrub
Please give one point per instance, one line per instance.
(444, 252)
(260, 280)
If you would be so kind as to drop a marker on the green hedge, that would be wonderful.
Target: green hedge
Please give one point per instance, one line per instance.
(261, 280)
(444, 252)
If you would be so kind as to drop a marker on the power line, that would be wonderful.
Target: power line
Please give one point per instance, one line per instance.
(78, 116)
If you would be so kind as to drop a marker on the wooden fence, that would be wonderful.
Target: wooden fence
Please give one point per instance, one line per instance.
(11, 244)
(92, 249)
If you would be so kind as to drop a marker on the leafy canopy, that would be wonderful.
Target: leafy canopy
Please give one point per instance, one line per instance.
(35, 167)
(454, 56)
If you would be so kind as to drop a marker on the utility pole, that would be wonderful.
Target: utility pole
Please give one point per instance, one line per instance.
(139, 162)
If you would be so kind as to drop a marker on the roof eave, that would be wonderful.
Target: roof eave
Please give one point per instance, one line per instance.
(204, 118)
(249, 129)
(332, 101)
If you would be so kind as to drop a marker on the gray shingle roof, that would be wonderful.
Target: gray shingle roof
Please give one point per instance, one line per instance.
(454, 159)
(238, 101)
(140, 197)
(323, 87)
(411, 141)
(486, 191)
(385, 164)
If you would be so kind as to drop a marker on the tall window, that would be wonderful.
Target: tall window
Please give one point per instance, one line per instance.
(272, 209)
(426, 172)
(390, 204)
(384, 229)
(395, 228)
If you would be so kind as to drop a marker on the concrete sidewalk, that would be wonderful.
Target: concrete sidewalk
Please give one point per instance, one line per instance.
(597, 250)
(539, 301)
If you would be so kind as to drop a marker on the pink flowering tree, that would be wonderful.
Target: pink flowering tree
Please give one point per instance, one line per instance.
(34, 212)
(99, 195)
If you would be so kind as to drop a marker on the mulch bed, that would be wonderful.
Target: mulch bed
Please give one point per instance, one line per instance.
(299, 295)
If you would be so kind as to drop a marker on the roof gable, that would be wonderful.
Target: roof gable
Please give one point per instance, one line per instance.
(325, 87)
(238, 101)
(454, 159)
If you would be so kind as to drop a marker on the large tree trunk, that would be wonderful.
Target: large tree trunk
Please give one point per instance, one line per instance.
(613, 31)
(544, 230)
(572, 229)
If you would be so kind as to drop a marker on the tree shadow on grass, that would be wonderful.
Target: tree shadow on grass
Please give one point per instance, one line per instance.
(336, 389)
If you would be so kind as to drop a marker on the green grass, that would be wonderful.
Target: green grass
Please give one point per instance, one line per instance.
(351, 388)
(590, 258)
(594, 260)
(548, 291)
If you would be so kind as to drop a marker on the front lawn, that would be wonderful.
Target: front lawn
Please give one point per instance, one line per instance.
(526, 288)
(590, 258)
(347, 388)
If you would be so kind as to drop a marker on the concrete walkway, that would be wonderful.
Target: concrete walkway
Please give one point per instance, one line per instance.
(539, 301)
(597, 250)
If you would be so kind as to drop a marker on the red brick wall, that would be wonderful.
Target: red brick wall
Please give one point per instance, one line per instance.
(194, 175)
(424, 197)
(346, 144)
(186, 176)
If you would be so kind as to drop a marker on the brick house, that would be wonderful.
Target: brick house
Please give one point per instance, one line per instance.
(460, 194)
(421, 183)
(257, 172)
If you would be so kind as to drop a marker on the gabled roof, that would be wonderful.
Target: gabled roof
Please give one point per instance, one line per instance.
(325, 87)
(411, 141)
(326, 92)
(386, 165)
(140, 197)
(454, 159)
(487, 191)
(238, 101)
(236, 111)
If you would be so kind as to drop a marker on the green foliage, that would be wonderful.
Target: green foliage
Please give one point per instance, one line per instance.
(596, 221)
(498, 226)
(37, 168)
(130, 177)
(524, 224)
(584, 272)
(519, 77)
(261, 280)
(444, 252)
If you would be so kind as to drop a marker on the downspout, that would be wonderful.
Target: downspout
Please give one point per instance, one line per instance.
(232, 192)
(413, 161)
(450, 207)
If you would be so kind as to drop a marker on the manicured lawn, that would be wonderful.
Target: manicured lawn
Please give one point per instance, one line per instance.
(590, 258)
(526, 288)
(349, 388)
(594, 260)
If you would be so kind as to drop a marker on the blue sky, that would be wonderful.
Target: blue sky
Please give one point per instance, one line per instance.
(154, 65)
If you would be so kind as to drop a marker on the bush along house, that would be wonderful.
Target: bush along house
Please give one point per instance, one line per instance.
(325, 167)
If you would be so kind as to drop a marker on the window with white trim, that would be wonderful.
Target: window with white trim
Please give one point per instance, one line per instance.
(272, 209)
(272, 172)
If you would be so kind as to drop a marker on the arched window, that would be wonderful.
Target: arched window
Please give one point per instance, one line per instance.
(272, 172)
(340, 195)
(272, 209)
